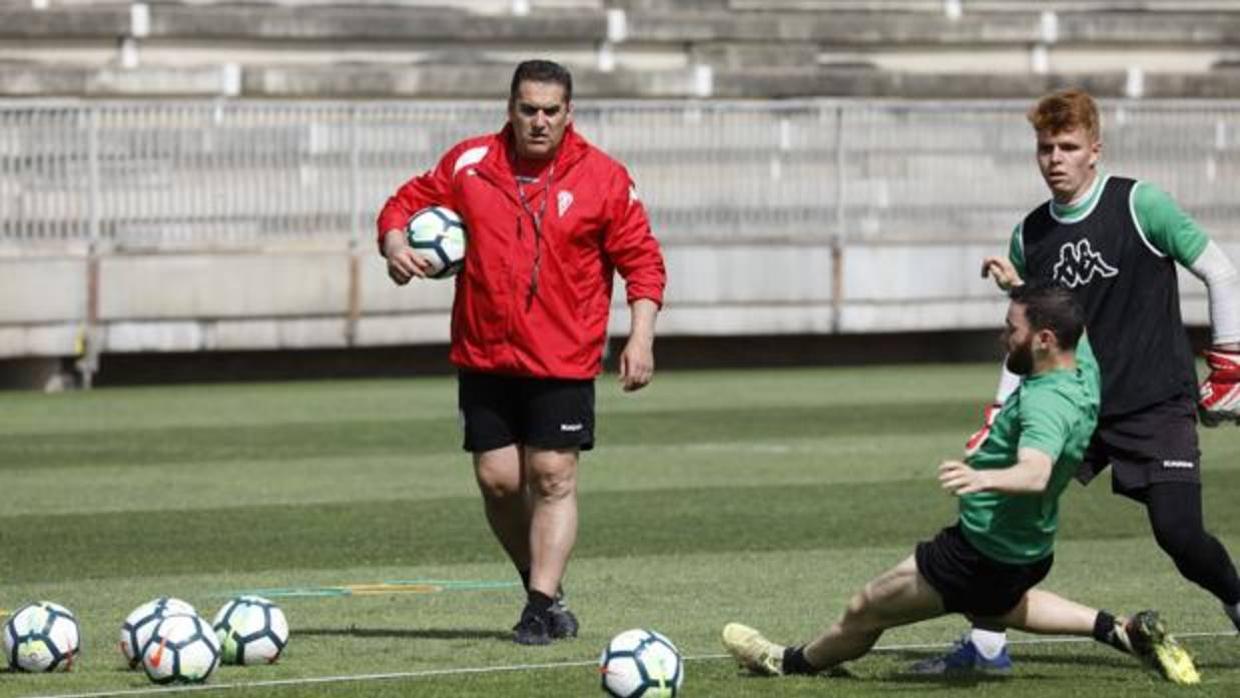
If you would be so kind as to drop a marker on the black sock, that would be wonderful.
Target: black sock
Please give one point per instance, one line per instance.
(525, 578)
(1106, 632)
(794, 661)
(539, 602)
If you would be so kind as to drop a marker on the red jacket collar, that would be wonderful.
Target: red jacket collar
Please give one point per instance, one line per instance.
(571, 150)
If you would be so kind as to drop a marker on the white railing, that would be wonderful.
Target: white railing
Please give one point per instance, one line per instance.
(228, 173)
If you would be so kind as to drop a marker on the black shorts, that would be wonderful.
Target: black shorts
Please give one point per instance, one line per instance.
(498, 410)
(971, 583)
(1151, 445)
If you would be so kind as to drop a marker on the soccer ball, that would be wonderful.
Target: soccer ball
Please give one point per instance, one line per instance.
(251, 630)
(438, 234)
(641, 664)
(139, 625)
(182, 649)
(42, 636)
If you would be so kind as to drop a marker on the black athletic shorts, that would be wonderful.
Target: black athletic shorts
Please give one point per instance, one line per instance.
(1151, 445)
(971, 583)
(498, 410)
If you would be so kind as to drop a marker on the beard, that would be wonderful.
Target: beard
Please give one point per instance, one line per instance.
(1020, 359)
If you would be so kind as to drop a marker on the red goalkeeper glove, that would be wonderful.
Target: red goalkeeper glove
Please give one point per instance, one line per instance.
(988, 419)
(1220, 391)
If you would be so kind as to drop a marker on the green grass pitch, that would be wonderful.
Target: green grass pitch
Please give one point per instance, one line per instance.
(765, 496)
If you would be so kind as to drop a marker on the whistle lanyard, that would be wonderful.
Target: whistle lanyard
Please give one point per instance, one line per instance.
(537, 218)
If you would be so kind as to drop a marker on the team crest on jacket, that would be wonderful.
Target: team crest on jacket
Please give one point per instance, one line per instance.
(563, 200)
(1078, 265)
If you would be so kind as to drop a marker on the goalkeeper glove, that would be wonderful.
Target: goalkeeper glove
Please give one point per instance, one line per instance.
(988, 419)
(1220, 391)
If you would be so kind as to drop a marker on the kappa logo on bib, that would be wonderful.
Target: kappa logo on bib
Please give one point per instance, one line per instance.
(1078, 265)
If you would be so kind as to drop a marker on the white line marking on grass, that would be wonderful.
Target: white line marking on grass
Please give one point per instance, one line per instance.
(1053, 640)
(431, 673)
(323, 679)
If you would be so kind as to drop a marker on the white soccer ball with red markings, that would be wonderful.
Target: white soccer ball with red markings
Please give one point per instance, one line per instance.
(641, 664)
(42, 636)
(182, 649)
(141, 622)
(251, 630)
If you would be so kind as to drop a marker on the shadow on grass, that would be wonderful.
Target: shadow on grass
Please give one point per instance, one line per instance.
(834, 673)
(1118, 661)
(409, 633)
(907, 658)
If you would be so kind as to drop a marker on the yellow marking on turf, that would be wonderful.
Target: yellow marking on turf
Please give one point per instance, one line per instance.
(414, 586)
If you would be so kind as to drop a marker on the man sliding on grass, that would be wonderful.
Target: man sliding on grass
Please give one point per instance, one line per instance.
(986, 565)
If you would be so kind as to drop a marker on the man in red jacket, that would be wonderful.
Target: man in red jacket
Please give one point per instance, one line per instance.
(550, 219)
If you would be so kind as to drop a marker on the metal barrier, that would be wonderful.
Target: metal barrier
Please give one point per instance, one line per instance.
(230, 173)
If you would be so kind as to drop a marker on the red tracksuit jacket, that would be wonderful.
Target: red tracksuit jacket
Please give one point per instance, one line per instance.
(593, 224)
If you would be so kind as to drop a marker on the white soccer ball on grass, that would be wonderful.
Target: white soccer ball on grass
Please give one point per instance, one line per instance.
(141, 622)
(641, 664)
(42, 636)
(251, 630)
(182, 649)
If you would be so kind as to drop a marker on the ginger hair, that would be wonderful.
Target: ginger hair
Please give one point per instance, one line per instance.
(1065, 110)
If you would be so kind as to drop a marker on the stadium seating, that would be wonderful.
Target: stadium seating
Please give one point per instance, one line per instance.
(620, 48)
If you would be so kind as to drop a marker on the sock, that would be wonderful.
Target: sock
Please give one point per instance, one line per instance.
(794, 661)
(539, 602)
(525, 578)
(989, 643)
(1108, 632)
(1233, 612)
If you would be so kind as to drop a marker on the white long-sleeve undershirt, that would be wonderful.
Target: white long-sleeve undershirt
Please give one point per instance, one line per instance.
(1008, 383)
(1223, 286)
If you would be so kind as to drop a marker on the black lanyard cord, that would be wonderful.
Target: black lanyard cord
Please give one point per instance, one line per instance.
(537, 218)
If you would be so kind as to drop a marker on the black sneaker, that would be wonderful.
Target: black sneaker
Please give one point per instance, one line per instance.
(532, 629)
(562, 621)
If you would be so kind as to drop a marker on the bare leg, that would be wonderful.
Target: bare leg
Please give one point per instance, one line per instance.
(1145, 636)
(1050, 614)
(552, 478)
(899, 596)
(501, 480)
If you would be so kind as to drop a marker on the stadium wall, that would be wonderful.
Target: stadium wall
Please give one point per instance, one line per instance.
(141, 229)
(311, 301)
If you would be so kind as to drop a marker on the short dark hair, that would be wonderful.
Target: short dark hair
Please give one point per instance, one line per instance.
(1050, 306)
(539, 70)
